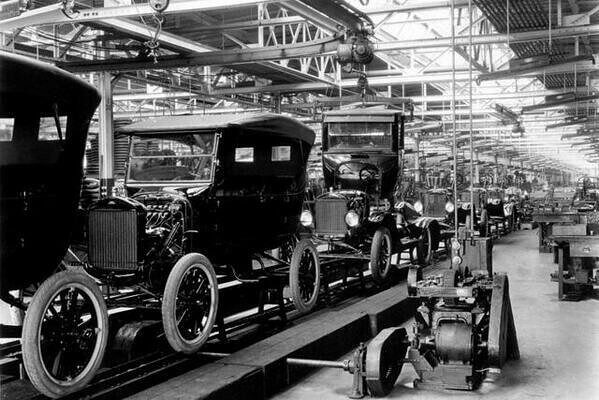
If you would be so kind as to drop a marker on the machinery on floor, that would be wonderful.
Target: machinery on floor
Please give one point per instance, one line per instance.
(576, 250)
(463, 331)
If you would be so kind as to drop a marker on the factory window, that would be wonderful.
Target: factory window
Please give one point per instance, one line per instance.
(49, 130)
(6, 128)
(244, 154)
(281, 153)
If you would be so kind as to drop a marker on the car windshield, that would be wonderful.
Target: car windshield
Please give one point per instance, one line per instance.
(360, 135)
(172, 159)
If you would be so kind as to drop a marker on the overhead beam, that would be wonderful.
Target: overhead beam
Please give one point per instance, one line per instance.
(225, 57)
(415, 6)
(243, 25)
(379, 81)
(558, 33)
(137, 30)
(414, 99)
(57, 14)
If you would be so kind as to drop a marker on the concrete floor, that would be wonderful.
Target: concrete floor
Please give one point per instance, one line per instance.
(559, 341)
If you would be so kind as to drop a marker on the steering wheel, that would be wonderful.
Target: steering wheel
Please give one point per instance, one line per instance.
(367, 173)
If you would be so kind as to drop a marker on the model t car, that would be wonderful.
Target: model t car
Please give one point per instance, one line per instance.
(205, 192)
(44, 117)
(434, 204)
(357, 218)
(501, 211)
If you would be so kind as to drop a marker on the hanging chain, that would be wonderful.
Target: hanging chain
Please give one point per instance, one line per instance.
(153, 44)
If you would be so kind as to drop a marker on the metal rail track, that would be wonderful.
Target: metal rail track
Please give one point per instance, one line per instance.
(140, 373)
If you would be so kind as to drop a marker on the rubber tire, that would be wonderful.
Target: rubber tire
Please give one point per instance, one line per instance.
(425, 255)
(31, 329)
(169, 319)
(294, 281)
(380, 277)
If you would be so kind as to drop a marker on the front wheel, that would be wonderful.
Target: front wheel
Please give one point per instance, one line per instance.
(425, 247)
(65, 332)
(380, 255)
(190, 303)
(304, 276)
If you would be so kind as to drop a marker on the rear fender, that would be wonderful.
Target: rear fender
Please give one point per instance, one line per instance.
(433, 225)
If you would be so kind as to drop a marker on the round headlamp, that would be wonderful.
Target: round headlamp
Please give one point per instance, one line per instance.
(456, 260)
(418, 206)
(306, 218)
(352, 219)
(449, 207)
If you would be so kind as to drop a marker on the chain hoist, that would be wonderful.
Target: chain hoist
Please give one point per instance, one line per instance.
(152, 46)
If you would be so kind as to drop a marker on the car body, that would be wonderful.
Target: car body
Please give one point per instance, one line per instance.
(361, 152)
(40, 165)
(240, 180)
(45, 113)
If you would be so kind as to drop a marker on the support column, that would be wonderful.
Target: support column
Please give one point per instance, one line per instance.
(495, 173)
(417, 158)
(476, 169)
(105, 134)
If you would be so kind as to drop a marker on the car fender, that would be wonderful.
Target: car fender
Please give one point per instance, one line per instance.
(433, 225)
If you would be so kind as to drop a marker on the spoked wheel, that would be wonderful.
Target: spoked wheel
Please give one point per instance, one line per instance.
(425, 247)
(304, 276)
(65, 332)
(190, 303)
(380, 255)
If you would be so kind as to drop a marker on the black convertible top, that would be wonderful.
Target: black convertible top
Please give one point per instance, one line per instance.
(27, 84)
(255, 122)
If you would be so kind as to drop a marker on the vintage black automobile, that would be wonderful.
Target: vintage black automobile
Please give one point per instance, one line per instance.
(500, 211)
(357, 218)
(433, 204)
(205, 192)
(44, 117)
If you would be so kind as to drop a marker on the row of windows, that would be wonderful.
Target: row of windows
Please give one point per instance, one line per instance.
(278, 153)
(48, 129)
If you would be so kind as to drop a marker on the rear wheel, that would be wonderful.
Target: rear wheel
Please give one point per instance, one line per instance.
(190, 303)
(425, 247)
(65, 332)
(304, 276)
(380, 255)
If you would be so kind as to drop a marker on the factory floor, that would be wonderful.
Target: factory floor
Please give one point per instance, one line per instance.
(559, 341)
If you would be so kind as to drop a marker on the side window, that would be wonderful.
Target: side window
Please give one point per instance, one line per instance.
(244, 154)
(6, 129)
(281, 153)
(48, 129)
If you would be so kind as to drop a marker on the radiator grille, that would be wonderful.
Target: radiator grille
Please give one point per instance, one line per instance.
(329, 216)
(435, 205)
(113, 239)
